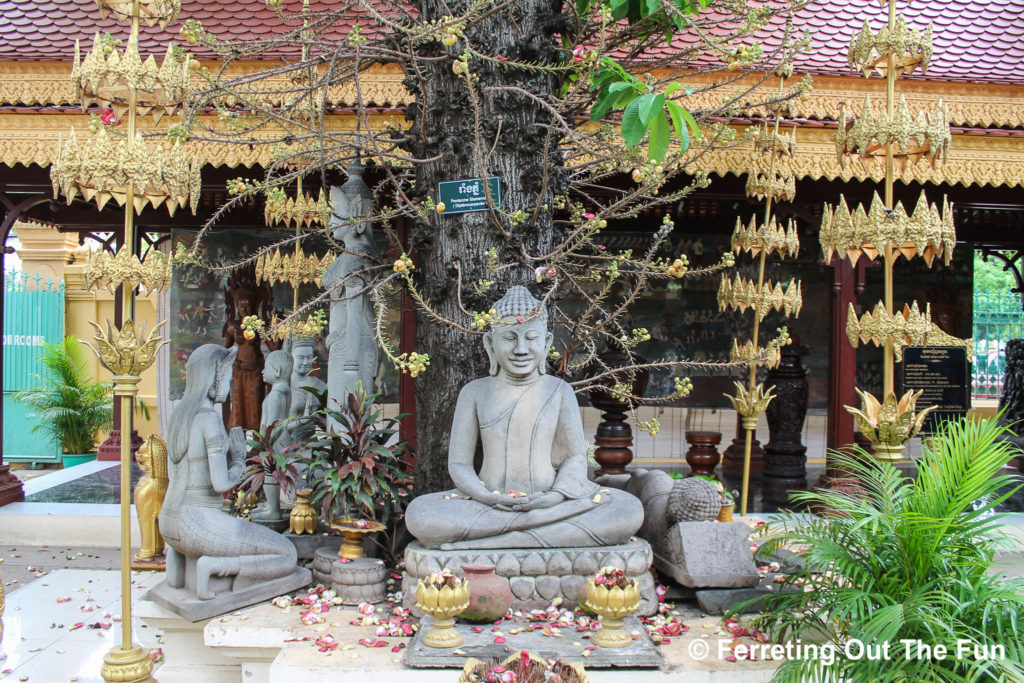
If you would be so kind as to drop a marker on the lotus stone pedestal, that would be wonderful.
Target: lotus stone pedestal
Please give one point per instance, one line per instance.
(538, 575)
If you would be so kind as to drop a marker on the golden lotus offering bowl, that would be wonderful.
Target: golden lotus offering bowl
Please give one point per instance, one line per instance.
(613, 605)
(442, 604)
(352, 532)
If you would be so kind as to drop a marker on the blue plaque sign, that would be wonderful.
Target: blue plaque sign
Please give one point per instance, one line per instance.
(466, 196)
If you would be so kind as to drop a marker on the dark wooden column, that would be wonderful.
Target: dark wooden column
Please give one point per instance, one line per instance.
(842, 365)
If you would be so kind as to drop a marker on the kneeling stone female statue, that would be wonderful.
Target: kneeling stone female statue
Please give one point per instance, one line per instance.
(215, 562)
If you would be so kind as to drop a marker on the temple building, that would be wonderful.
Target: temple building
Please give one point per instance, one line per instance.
(976, 69)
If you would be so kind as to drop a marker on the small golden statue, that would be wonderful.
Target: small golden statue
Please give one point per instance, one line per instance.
(149, 499)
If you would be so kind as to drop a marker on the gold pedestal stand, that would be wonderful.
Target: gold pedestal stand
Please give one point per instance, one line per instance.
(352, 545)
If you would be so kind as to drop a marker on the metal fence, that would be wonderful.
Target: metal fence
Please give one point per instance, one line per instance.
(33, 314)
(998, 318)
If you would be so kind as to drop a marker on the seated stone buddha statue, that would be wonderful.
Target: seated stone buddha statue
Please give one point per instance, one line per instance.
(532, 489)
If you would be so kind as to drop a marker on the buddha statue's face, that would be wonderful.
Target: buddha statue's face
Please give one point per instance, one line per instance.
(520, 349)
(302, 360)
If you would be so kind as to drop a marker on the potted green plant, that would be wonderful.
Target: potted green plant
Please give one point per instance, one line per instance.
(356, 473)
(267, 467)
(71, 406)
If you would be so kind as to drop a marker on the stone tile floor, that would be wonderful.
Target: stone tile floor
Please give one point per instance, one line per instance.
(40, 644)
(58, 627)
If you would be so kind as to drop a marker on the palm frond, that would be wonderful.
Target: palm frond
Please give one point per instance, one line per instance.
(907, 560)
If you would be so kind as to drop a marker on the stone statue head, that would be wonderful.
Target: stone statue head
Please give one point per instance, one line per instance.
(518, 342)
(302, 355)
(221, 387)
(353, 199)
(207, 376)
(277, 367)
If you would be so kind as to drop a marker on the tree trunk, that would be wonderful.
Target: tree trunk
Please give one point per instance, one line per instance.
(512, 136)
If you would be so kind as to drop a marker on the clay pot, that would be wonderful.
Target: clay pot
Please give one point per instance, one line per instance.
(725, 513)
(489, 594)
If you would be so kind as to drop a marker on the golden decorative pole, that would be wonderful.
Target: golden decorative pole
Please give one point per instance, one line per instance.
(134, 174)
(302, 210)
(761, 298)
(886, 229)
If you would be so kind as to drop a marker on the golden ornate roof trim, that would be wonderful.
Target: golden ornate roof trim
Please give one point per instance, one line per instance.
(973, 160)
(47, 83)
(35, 138)
(968, 104)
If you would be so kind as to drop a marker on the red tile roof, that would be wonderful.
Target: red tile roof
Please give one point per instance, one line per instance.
(975, 40)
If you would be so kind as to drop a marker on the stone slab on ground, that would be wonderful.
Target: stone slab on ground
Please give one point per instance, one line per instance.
(185, 604)
(642, 653)
(263, 633)
(185, 657)
(707, 555)
(719, 600)
(538, 575)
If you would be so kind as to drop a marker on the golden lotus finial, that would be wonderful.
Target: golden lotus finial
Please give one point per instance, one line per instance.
(889, 424)
(126, 351)
(751, 403)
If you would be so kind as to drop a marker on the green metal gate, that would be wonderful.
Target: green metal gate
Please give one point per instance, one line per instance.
(33, 314)
(998, 318)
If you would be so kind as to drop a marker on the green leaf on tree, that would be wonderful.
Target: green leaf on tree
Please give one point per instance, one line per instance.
(657, 145)
(649, 105)
(632, 129)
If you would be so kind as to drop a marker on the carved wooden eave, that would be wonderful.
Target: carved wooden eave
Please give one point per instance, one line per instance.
(982, 105)
(47, 83)
(976, 158)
